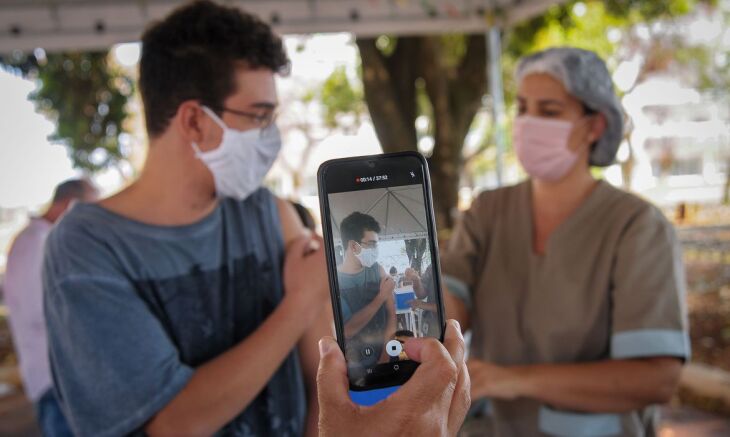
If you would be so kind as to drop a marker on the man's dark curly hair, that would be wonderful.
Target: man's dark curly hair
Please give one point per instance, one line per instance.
(192, 54)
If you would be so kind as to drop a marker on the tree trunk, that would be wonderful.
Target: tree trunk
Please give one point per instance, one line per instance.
(455, 93)
(390, 92)
(415, 249)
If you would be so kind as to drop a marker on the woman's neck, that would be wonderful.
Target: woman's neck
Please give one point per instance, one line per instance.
(561, 198)
(554, 202)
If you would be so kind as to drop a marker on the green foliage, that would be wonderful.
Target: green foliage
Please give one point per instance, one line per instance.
(587, 32)
(650, 10)
(386, 44)
(339, 97)
(707, 72)
(454, 49)
(86, 97)
(562, 23)
(601, 26)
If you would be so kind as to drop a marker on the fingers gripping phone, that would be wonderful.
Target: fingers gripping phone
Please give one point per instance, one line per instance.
(382, 257)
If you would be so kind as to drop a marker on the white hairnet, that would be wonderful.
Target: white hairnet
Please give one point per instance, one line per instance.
(586, 77)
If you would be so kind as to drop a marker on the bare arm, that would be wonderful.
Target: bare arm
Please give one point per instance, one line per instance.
(604, 386)
(221, 388)
(426, 306)
(293, 228)
(418, 288)
(309, 357)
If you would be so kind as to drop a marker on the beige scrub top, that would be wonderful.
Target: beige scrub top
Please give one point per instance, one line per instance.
(609, 286)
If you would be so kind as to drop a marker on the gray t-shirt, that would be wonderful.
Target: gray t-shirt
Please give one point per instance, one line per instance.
(610, 286)
(357, 290)
(133, 308)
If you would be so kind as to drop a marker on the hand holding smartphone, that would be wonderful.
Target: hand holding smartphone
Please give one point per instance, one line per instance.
(378, 224)
(433, 402)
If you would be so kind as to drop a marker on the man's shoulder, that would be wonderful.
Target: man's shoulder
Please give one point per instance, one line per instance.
(79, 224)
(77, 246)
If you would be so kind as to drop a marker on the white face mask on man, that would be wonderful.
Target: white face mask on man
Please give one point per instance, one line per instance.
(242, 159)
(367, 256)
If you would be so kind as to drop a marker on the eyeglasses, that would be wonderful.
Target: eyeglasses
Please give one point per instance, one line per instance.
(262, 121)
(369, 244)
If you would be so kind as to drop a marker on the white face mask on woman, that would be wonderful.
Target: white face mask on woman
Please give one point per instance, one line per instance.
(367, 256)
(242, 159)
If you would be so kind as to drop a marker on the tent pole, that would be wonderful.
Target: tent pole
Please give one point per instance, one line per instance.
(494, 73)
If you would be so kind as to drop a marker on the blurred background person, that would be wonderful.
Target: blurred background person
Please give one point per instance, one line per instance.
(426, 300)
(24, 299)
(397, 277)
(574, 290)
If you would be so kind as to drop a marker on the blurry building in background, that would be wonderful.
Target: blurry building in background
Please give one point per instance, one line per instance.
(680, 142)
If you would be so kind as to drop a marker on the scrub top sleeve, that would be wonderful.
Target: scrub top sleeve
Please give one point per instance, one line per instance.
(465, 250)
(649, 313)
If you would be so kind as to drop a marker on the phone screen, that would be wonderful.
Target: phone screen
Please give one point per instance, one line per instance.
(383, 263)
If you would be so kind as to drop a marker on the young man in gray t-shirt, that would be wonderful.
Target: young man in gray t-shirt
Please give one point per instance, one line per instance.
(191, 302)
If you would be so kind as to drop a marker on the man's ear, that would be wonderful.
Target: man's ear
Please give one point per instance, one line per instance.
(352, 246)
(598, 127)
(190, 121)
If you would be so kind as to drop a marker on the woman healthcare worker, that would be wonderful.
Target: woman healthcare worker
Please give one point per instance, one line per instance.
(573, 289)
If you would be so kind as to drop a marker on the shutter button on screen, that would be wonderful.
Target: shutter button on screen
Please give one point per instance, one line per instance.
(393, 348)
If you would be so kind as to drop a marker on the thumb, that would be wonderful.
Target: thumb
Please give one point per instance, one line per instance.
(332, 384)
(435, 377)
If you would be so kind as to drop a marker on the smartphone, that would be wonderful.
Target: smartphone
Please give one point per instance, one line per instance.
(382, 258)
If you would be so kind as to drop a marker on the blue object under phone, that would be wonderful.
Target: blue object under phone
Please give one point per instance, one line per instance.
(372, 397)
(402, 299)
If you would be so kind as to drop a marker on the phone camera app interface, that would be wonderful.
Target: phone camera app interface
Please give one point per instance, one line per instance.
(386, 286)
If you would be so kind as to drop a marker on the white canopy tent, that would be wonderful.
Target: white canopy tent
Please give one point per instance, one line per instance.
(399, 211)
(88, 24)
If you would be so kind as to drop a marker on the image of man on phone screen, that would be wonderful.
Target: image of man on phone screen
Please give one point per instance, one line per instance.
(366, 292)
